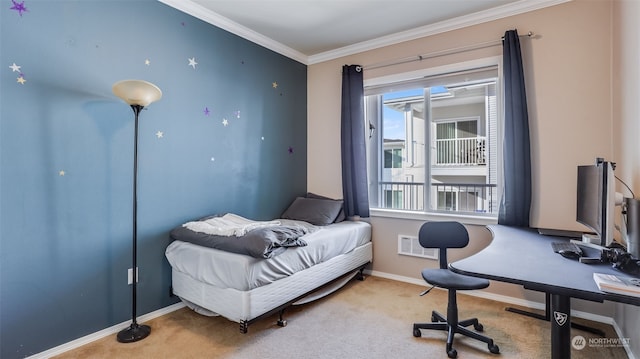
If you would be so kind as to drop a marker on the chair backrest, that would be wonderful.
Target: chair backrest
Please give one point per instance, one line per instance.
(443, 235)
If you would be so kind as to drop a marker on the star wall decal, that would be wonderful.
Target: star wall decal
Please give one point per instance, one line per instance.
(290, 150)
(160, 134)
(274, 84)
(147, 62)
(15, 68)
(19, 7)
(237, 114)
(192, 62)
(225, 122)
(206, 111)
(61, 173)
(213, 159)
(21, 80)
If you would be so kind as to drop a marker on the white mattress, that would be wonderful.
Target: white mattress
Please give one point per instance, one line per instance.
(230, 270)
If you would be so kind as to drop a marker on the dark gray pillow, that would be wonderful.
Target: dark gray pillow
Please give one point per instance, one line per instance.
(320, 212)
(341, 217)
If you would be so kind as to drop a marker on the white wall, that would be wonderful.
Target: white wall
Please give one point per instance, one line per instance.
(626, 120)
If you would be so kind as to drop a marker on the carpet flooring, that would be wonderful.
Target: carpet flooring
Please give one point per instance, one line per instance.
(365, 319)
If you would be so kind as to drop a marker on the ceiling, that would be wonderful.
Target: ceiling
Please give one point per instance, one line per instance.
(312, 31)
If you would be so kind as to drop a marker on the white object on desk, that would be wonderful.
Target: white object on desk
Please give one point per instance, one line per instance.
(616, 284)
(590, 238)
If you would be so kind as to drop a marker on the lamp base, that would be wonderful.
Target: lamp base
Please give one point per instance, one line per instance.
(134, 333)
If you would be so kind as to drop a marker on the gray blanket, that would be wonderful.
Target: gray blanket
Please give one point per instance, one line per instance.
(259, 243)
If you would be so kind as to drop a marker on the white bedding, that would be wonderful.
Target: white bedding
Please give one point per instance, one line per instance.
(241, 272)
(228, 225)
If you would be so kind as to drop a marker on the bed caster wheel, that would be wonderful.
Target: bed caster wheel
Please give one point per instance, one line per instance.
(282, 323)
(478, 327)
(452, 353)
(417, 333)
(494, 349)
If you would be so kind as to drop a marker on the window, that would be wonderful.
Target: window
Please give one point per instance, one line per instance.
(393, 157)
(436, 144)
(456, 143)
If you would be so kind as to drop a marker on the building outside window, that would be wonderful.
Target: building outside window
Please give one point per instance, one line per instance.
(393, 156)
(436, 144)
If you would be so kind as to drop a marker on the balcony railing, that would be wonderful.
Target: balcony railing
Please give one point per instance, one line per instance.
(451, 197)
(461, 151)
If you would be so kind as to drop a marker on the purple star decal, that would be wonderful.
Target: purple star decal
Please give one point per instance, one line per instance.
(290, 150)
(19, 7)
(206, 111)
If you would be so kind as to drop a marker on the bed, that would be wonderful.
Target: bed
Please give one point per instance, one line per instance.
(245, 285)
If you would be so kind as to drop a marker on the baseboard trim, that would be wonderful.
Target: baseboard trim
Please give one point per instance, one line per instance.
(499, 298)
(627, 349)
(166, 310)
(104, 333)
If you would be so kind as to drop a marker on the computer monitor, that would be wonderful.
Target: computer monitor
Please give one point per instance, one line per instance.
(596, 201)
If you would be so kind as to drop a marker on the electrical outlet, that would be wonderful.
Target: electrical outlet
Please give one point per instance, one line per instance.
(130, 275)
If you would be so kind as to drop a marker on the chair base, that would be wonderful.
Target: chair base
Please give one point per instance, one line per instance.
(439, 322)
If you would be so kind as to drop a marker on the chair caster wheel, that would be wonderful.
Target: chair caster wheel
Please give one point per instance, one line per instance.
(417, 333)
(494, 349)
(452, 353)
(282, 323)
(478, 327)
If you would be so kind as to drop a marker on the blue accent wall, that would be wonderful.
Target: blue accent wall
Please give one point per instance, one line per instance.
(66, 155)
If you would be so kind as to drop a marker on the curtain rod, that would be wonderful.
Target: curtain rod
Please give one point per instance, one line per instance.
(441, 53)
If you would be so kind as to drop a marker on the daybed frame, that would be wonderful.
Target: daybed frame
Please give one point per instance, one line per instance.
(245, 307)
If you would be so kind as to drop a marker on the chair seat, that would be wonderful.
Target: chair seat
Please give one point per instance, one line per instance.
(445, 278)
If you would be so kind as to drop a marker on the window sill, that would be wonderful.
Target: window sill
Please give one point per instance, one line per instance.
(423, 216)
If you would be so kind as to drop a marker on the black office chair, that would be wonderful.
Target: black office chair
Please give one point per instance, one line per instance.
(443, 235)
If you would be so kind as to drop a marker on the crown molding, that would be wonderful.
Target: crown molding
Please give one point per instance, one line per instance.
(480, 17)
(204, 14)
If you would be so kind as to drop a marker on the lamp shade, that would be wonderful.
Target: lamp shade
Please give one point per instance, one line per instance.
(137, 92)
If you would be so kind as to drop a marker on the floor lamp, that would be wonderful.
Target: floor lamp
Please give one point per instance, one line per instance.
(137, 94)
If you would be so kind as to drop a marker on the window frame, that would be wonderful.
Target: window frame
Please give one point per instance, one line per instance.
(428, 214)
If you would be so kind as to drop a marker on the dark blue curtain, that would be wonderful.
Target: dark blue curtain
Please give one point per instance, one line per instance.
(354, 158)
(516, 197)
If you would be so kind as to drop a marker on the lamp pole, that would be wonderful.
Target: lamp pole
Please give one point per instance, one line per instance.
(135, 331)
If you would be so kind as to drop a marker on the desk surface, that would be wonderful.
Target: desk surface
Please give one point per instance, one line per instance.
(523, 256)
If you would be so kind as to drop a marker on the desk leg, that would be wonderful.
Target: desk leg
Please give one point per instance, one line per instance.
(547, 316)
(560, 327)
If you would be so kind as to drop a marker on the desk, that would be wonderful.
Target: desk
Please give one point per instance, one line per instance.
(522, 256)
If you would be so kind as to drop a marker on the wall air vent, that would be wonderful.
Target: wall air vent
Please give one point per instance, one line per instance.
(410, 246)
